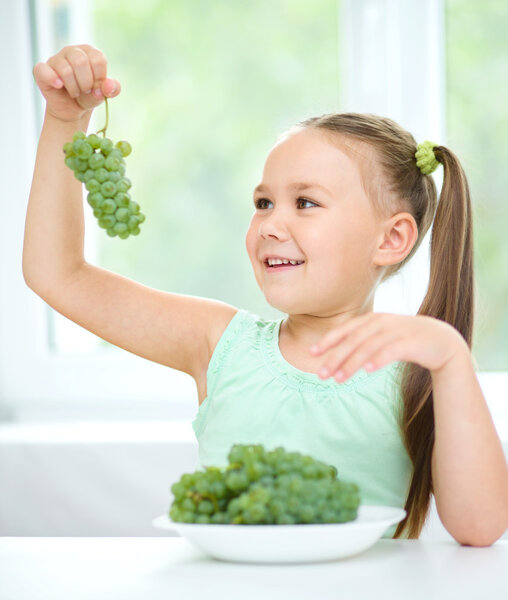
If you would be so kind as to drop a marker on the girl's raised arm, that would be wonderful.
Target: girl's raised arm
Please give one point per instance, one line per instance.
(176, 330)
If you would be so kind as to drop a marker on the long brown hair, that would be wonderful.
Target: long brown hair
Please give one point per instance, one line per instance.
(450, 293)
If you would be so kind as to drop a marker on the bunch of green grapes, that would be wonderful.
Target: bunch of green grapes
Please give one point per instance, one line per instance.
(259, 487)
(100, 165)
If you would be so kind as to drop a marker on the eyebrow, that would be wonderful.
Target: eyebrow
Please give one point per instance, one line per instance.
(298, 186)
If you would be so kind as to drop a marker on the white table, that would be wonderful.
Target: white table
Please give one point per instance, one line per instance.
(76, 568)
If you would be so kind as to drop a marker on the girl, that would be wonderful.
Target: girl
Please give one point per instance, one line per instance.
(345, 200)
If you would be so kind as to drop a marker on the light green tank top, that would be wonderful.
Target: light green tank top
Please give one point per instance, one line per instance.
(254, 396)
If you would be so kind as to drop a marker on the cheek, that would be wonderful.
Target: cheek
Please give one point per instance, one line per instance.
(250, 242)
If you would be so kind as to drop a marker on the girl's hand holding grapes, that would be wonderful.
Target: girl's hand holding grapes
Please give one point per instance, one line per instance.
(74, 82)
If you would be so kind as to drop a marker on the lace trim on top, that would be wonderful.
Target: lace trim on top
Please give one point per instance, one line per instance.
(301, 380)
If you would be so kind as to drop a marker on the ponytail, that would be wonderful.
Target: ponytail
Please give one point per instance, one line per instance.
(449, 297)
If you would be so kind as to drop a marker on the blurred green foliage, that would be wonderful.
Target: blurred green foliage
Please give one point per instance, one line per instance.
(477, 130)
(207, 87)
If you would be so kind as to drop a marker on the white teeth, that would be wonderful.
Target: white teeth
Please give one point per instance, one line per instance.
(283, 261)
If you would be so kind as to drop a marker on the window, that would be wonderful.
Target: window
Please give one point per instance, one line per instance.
(477, 87)
(207, 88)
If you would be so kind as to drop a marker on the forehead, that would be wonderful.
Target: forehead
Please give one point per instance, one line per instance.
(311, 155)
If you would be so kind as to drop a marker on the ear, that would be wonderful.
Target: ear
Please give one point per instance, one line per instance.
(397, 238)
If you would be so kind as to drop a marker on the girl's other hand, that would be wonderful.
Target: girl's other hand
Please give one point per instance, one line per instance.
(374, 340)
(74, 81)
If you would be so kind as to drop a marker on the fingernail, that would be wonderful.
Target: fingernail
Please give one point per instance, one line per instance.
(97, 92)
(58, 81)
(314, 348)
(88, 92)
(339, 376)
(113, 90)
(368, 366)
(324, 372)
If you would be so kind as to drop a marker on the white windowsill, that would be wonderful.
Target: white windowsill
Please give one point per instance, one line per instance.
(167, 432)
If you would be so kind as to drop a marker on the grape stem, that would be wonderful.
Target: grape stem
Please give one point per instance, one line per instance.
(103, 130)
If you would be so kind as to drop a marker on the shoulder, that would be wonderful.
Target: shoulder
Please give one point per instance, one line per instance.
(229, 322)
(223, 317)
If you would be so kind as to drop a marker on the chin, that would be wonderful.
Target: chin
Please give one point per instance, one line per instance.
(287, 305)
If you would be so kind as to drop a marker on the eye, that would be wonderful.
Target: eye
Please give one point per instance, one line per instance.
(307, 201)
(258, 203)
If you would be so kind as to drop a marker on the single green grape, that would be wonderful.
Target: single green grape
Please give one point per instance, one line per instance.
(114, 176)
(122, 215)
(120, 227)
(94, 140)
(96, 160)
(84, 151)
(124, 147)
(134, 207)
(107, 221)
(95, 199)
(80, 164)
(68, 149)
(112, 163)
(89, 174)
(92, 185)
(69, 161)
(123, 184)
(106, 145)
(115, 153)
(101, 175)
(108, 206)
(133, 222)
(76, 144)
(108, 189)
(122, 199)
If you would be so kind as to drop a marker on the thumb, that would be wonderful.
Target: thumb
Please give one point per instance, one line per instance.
(108, 88)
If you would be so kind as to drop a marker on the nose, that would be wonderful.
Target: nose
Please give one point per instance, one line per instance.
(273, 226)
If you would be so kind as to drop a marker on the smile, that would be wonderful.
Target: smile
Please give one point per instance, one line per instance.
(278, 268)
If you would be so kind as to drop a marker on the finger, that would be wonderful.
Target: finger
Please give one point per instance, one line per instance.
(111, 88)
(66, 73)
(97, 60)
(351, 344)
(83, 73)
(103, 86)
(347, 346)
(338, 333)
(46, 78)
(379, 351)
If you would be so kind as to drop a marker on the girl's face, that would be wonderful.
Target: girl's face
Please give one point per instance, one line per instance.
(331, 226)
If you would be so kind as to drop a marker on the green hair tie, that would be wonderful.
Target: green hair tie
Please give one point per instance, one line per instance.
(426, 160)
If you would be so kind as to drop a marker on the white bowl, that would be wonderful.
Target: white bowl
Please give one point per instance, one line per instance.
(288, 543)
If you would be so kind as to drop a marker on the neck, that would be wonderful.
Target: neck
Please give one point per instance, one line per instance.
(307, 329)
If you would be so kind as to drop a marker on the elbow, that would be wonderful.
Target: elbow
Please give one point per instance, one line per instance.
(483, 535)
(30, 282)
(476, 541)
(27, 271)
